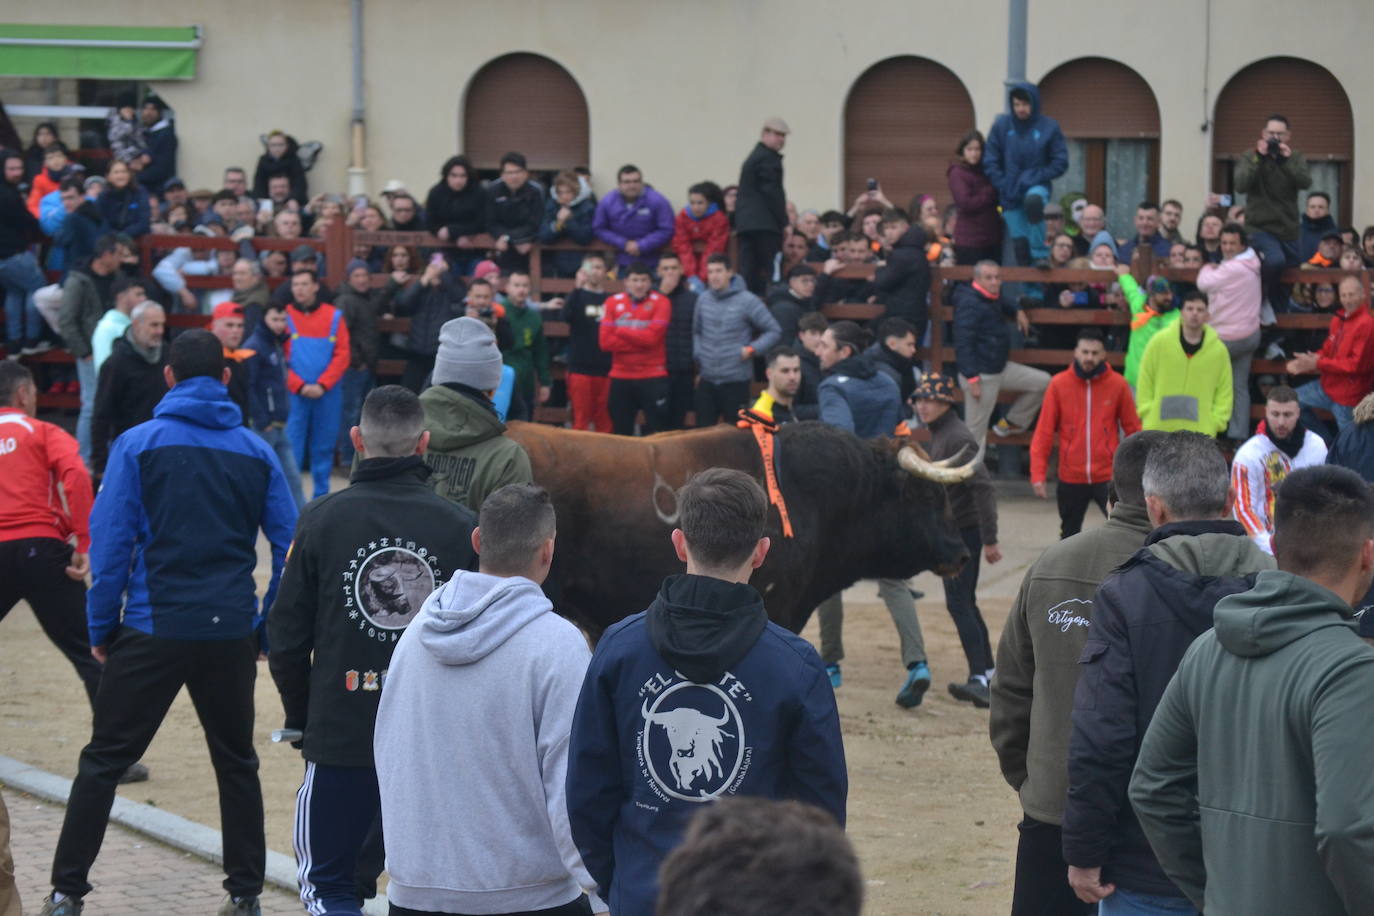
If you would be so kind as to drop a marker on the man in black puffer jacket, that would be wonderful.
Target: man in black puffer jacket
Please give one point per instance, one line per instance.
(131, 382)
(982, 345)
(1144, 618)
(903, 283)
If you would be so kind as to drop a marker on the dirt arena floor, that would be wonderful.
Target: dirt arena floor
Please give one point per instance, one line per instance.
(931, 817)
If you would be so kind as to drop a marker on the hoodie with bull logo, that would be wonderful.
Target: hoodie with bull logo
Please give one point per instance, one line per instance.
(700, 697)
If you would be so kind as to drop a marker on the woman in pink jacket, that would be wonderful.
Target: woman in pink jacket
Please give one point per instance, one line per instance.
(1234, 298)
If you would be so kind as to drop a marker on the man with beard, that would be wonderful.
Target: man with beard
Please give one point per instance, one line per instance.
(894, 353)
(1086, 409)
(784, 375)
(1280, 446)
(131, 382)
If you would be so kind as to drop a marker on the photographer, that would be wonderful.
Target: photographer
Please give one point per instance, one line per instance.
(1271, 175)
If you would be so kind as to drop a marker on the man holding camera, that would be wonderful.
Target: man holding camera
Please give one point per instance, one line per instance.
(1271, 175)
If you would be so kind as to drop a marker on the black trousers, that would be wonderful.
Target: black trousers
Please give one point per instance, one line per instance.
(579, 907)
(757, 251)
(1073, 499)
(142, 677)
(34, 570)
(721, 401)
(680, 395)
(968, 255)
(1042, 875)
(962, 603)
(631, 395)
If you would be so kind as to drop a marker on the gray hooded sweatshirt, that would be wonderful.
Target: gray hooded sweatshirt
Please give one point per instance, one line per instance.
(472, 747)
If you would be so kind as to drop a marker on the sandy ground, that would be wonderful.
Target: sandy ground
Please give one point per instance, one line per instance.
(931, 817)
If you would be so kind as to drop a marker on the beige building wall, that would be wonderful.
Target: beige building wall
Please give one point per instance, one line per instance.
(681, 88)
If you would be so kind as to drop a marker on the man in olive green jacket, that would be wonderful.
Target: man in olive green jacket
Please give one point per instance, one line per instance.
(1252, 783)
(1271, 175)
(1037, 668)
(469, 455)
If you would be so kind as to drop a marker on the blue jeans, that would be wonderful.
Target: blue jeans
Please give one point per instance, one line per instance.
(1275, 256)
(356, 383)
(20, 276)
(313, 428)
(1312, 397)
(1129, 903)
(275, 436)
(85, 377)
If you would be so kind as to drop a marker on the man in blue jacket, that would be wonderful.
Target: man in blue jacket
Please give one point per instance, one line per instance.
(159, 164)
(172, 603)
(700, 697)
(1025, 153)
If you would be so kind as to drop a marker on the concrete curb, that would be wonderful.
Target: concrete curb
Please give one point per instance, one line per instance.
(163, 826)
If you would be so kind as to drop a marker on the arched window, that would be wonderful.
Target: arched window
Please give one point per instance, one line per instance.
(1317, 109)
(526, 103)
(902, 120)
(1110, 121)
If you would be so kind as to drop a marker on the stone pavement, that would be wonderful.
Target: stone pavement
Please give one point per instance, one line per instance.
(134, 876)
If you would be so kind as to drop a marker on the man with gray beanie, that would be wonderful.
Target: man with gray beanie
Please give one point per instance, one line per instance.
(1144, 617)
(468, 453)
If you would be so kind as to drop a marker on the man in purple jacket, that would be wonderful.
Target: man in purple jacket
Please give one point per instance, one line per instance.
(634, 219)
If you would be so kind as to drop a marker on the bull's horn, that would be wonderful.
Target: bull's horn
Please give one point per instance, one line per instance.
(948, 462)
(724, 717)
(644, 711)
(917, 466)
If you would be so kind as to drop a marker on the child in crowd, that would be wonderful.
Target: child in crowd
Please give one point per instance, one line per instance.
(702, 220)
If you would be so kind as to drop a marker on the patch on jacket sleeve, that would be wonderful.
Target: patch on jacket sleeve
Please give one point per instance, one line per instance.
(1075, 612)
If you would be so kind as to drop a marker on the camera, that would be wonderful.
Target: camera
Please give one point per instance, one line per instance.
(487, 312)
(873, 184)
(1274, 147)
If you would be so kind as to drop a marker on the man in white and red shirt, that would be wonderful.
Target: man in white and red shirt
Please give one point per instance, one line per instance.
(45, 502)
(1281, 446)
(633, 328)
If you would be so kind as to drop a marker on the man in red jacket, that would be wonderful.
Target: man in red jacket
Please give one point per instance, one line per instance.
(45, 501)
(633, 328)
(1087, 408)
(317, 354)
(1345, 364)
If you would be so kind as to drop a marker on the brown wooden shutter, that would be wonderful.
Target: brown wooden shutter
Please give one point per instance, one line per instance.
(902, 120)
(1100, 99)
(1306, 93)
(529, 104)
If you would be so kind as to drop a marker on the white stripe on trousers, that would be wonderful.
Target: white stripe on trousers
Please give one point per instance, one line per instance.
(301, 841)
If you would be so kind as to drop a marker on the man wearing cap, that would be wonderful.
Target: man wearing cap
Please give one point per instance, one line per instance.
(316, 356)
(226, 323)
(973, 504)
(1087, 408)
(468, 453)
(761, 209)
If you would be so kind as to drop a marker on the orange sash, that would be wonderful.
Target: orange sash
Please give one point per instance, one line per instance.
(764, 430)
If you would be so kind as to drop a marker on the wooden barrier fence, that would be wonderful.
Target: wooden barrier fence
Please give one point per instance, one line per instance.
(342, 243)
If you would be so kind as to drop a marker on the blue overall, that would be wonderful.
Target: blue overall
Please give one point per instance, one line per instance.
(313, 424)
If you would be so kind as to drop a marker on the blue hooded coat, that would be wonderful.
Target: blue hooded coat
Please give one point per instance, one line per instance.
(1021, 155)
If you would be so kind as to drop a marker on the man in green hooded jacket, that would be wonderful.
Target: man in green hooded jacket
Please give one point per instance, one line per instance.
(1252, 783)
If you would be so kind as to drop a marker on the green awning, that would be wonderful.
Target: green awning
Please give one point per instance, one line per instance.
(110, 52)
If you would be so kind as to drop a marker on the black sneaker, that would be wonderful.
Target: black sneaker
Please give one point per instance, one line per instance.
(70, 906)
(243, 906)
(972, 691)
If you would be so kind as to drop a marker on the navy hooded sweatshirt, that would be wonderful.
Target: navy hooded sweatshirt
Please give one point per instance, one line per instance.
(700, 697)
(1023, 154)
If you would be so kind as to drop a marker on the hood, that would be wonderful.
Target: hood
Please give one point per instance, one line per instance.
(456, 420)
(203, 401)
(915, 237)
(1282, 608)
(704, 626)
(1208, 548)
(711, 210)
(373, 469)
(474, 614)
(1034, 93)
(1364, 411)
(858, 366)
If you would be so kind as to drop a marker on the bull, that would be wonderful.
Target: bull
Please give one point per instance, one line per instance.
(859, 509)
(695, 739)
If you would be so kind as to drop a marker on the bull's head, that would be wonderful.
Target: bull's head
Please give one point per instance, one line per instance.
(695, 739)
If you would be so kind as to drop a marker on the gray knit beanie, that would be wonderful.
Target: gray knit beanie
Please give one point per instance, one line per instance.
(468, 355)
